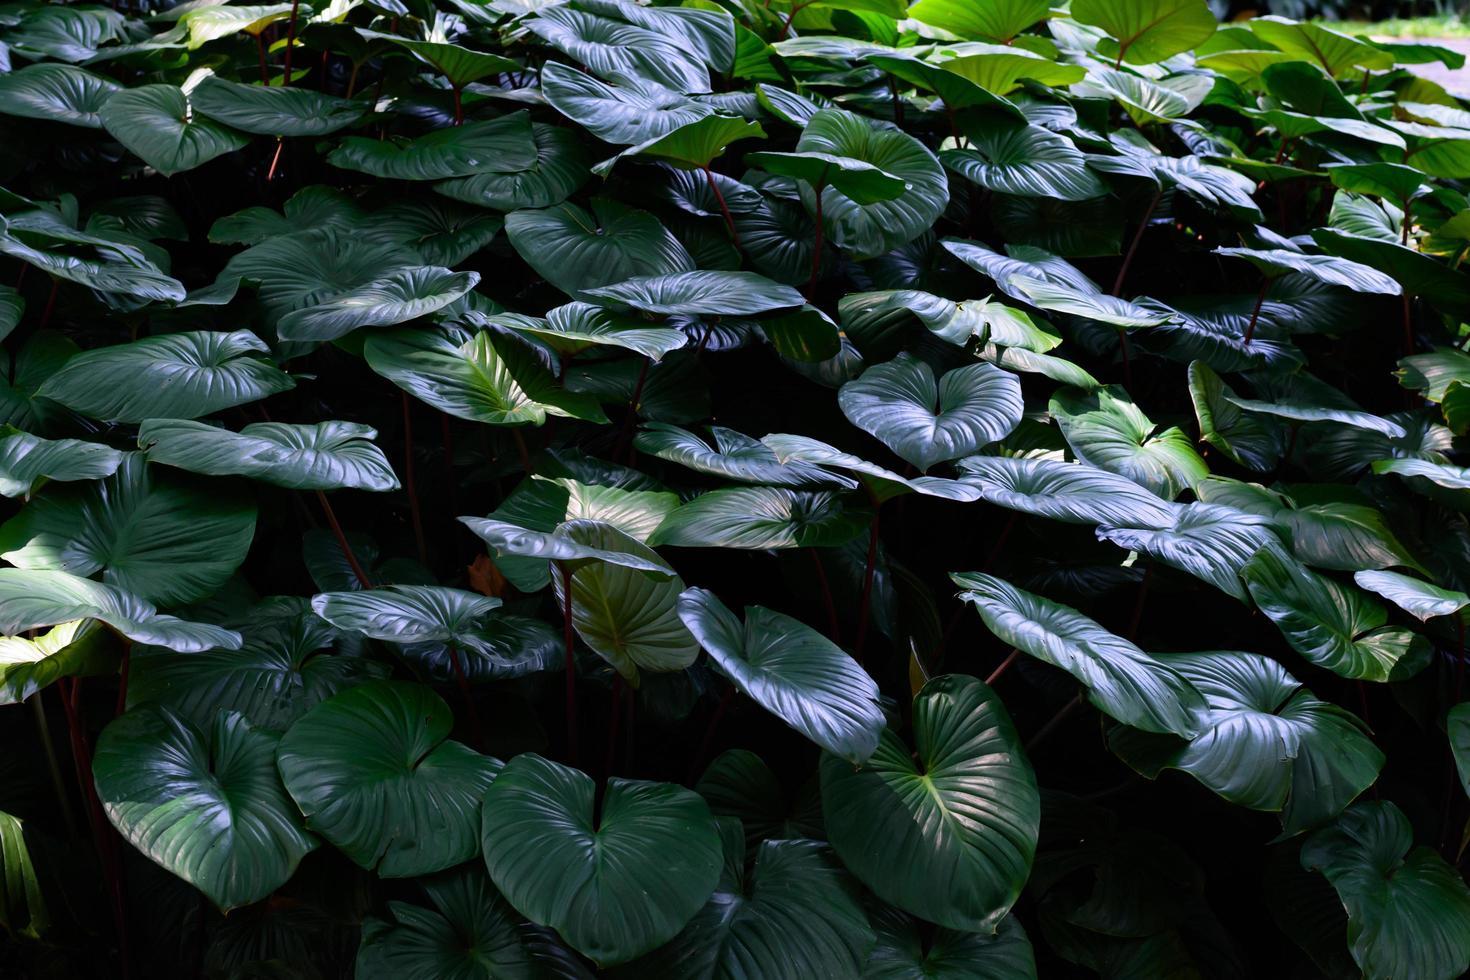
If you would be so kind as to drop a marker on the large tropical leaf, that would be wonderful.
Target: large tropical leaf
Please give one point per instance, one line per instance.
(75, 649)
(946, 831)
(1209, 541)
(1267, 742)
(616, 881)
(760, 518)
(501, 145)
(1025, 160)
(903, 952)
(625, 615)
(732, 455)
(701, 292)
(325, 456)
(792, 671)
(1107, 430)
(58, 92)
(33, 598)
(376, 775)
(178, 376)
(1077, 493)
(273, 111)
(1145, 31)
(157, 123)
(1121, 680)
(1408, 911)
(25, 459)
(1332, 625)
(163, 537)
(402, 295)
(574, 250)
(928, 422)
(204, 802)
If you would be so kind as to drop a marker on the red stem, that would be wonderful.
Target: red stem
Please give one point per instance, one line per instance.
(1137, 617)
(122, 685)
(463, 683)
(826, 595)
(1005, 664)
(869, 569)
(709, 732)
(357, 569)
(50, 304)
(290, 43)
(409, 485)
(724, 208)
(458, 107)
(1250, 328)
(270, 174)
(571, 663)
(105, 844)
(817, 239)
(265, 75)
(1137, 237)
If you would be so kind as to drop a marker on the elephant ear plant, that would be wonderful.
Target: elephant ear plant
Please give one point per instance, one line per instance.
(804, 489)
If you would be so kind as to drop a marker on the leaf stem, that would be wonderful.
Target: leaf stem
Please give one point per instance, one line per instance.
(571, 663)
(408, 483)
(265, 75)
(290, 43)
(357, 569)
(832, 622)
(1005, 664)
(709, 733)
(724, 208)
(869, 570)
(612, 726)
(1055, 721)
(817, 237)
(1250, 328)
(63, 799)
(1137, 237)
(462, 681)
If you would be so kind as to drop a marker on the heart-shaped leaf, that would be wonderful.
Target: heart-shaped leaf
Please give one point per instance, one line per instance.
(904, 953)
(25, 458)
(791, 670)
(1267, 742)
(75, 649)
(402, 295)
(1408, 911)
(1107, 430)
(501, 145)
(1146, 31)
(205, 803)
(962, 809)
(1029, 161)
(760, 518)
(575, 251)
(1422, 600)
(325, 456)
(374, 772)
(701, 292)
(33, 599)
(1333, 625)
(177, 376)
(928, 422)
(272, 110)
(616, 880)
(1077, 493)
(166, 538)
(1121, 680)
(1211, 542)
(157, 123)
(57, 92)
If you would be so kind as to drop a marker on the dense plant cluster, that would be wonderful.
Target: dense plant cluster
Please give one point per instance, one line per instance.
(743, 489)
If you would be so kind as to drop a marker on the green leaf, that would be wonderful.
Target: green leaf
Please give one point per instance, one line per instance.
(928, 422)
(1147, 31)
(903, 952)
(441, 232)
(796, 913)
(1210, 542)
(701, 292)
(1001, 68)
(502, 145)
(759, 518)
(74, 649)
(460, 65)
(867, 230)
(877, 480)
(1029, 161)
(470, 933)
(158, 125)
(480, 377)
(179, 376)
(1249, 440)
(284, 668)
(998, 21)
(108, 267)
(1453, 477)
(1076, 493)
(1419, 274)
(412, 614)
(615, 883)
(211, 23)
(511, 539)
(693, 146)
(23, 910)
(860, 181)
(1336, 52)
(560, 168)
(620, 52)
(1332, 625)
(325, 456)
(25, 458)
(577, 326)
(1090, 304)
(625, 616)
(1330, 269)
(732, 456)
(575, 251)
(791, 670)
(739, 784)
(273, 111)
(400, 296)
(375, 774)
(1457, 727)
(1267, 742)
(166, 538)
(957, 90)
(57, 92)
(204, 803)
(949, 831)
(1109, 431)
(1121, 680)
(1408, 911)
(33, 599)
(632, 112)
(1422, 600)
